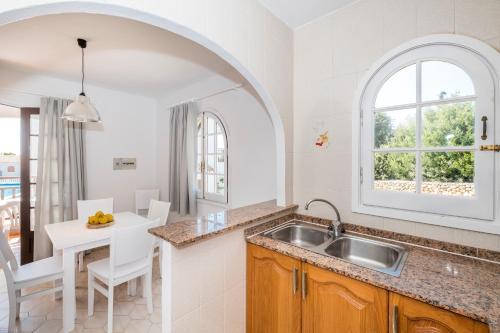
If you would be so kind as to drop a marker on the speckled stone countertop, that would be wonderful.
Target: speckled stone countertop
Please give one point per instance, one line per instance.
(184, 233)
(457, 283)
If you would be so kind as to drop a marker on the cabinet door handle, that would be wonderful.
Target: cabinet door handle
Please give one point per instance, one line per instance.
(484, 119)
(395, 319)
(295, 276)
(304, 285)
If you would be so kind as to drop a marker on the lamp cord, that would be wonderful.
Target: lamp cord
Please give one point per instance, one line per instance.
(83, 68)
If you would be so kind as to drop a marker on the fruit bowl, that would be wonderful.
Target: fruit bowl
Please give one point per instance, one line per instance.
(100, 220)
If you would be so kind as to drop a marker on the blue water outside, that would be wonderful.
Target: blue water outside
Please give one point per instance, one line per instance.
(9, 193)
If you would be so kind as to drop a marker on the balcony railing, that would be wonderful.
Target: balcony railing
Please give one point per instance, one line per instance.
(10, 188)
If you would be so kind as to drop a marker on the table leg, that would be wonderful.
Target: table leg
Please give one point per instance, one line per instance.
(166, 288)
(69, 300)
(58, 282)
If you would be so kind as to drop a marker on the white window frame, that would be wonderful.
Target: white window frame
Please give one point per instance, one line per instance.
(201, 193)
(403, 205)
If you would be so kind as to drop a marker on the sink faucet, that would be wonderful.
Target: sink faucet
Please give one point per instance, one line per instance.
(336, 228)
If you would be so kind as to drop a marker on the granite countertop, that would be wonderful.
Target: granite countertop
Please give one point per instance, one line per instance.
(184, 233)
(458, 283)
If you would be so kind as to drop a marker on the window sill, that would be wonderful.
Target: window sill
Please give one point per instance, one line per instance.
(492, 227)
(212, 202)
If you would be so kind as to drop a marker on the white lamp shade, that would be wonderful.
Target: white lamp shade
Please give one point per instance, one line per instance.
(81, 110)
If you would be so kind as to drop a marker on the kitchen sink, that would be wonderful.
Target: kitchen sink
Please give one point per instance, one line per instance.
(299, 234)
(380, 256)
(363, 251)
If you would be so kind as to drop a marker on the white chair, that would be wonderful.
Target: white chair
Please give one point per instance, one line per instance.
(125, 263)
(143, 198)
(29, 275)
(158, 210)
(87, 208)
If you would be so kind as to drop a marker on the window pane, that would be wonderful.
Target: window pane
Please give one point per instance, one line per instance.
(442, 80)
(448, 125)
(32, 219)
(210, 183)
(34, 124)
(395, 129)
(210, 144)
(399, 89)
(33, 170)
(210, 125)
(394, 172)
(219, 129)
(220, 185)
(210, 167)
(32, 195)
(33, 146)
(220, 142)
(448, 173)
(220, 164)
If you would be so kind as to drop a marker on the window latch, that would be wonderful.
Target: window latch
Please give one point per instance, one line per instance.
(489, 148)
(484, 119)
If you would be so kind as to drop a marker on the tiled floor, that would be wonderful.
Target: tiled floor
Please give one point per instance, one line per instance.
(130, 314)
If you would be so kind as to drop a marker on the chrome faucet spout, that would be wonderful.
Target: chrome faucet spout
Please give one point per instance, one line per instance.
(335, 227)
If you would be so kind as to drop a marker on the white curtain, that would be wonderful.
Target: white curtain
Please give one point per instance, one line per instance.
(182, 186)
(61, 175)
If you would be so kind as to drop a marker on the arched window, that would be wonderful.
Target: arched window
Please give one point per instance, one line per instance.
(211, 168)
(426, 111)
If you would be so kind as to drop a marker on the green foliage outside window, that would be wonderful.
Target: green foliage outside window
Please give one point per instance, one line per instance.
(443, 126)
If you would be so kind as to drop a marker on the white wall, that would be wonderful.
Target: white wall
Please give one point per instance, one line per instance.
(128, 130)
(331, 54)
(252, 153)
(243, 32)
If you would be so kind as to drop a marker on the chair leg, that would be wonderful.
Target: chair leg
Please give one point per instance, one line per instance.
(18, 305)
(132, 287)
(90, 306)
(80, 261)
(110, 308)
(149, 290)
(12, 309)
(160, 256)
(144, 286)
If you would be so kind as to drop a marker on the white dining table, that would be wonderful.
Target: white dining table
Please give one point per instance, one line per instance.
(72, 237)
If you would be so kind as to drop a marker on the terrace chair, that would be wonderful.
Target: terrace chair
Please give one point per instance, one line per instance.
(87, 208)
(125, 263)
(29, 275)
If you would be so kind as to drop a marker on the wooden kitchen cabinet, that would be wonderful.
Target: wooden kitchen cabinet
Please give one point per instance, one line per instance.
(411, 316)
(337, 304)
(273, 295)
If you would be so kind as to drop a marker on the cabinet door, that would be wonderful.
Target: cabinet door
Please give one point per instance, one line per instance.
(411, 316)
(273, 296)
(336, 304)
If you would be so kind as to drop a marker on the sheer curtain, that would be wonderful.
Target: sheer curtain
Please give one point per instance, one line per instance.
(182, 186)
(61, 175)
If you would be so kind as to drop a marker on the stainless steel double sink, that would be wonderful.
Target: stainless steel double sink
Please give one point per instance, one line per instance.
(363, 251)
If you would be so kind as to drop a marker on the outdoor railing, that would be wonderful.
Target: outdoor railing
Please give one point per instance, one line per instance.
(10, 187)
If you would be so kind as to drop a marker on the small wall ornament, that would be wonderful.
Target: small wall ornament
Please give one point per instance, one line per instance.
(322, 140)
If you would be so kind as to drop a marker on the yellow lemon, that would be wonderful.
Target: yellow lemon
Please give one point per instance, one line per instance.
(109, 217)
(102, 220)
(99, 214)
(92, 220)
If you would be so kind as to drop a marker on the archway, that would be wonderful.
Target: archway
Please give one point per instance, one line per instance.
(171, 26)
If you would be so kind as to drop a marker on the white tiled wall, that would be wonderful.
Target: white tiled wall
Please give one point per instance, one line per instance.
(330, 56)
(208, 286)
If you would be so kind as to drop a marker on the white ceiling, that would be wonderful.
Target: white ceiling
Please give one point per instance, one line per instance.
(121, 54)
(298, 12)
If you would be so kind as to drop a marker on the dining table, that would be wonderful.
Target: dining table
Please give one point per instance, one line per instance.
(72, 237)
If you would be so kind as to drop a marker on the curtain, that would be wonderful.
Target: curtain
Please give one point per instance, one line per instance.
(61, 175)
(183, 132)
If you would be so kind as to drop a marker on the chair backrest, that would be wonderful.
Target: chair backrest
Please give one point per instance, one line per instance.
(130, 244)
(87, 208)
(159, 210)
(7, 259)
(143, 197)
